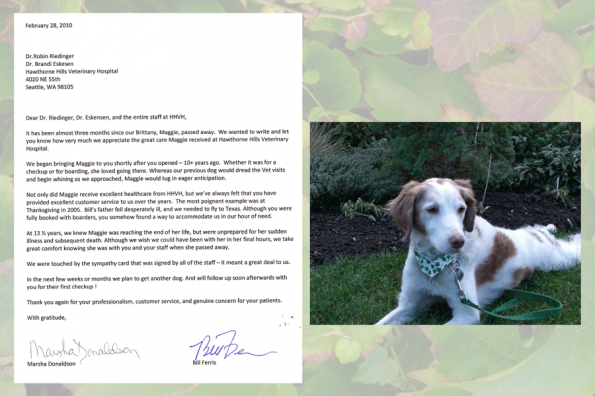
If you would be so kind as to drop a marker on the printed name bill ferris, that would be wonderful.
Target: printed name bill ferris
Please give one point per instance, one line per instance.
(158, 198)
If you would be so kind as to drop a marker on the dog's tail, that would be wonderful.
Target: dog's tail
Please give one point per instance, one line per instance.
(563, 253)
(572, 250)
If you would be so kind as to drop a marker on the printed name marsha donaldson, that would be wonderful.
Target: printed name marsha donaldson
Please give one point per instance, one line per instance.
(44, 364)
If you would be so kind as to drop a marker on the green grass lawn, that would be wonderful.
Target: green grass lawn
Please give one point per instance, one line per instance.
(361, 290)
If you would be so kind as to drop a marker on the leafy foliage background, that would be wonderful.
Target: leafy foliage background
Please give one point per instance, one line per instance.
(391, 60)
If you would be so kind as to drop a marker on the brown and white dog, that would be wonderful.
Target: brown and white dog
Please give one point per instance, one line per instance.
(438, 217)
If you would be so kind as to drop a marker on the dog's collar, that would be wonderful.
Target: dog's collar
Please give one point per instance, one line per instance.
(433, 266)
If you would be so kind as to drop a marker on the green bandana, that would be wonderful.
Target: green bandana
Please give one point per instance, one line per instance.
(432, 267)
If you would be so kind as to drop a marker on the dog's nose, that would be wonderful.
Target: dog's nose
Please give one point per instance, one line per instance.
(456, 241)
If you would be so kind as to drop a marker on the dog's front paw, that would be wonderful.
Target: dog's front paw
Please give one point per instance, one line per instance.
(464, 320)
(395, 317)
(390, 321)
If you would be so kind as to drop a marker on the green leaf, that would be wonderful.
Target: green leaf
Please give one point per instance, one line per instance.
(588, 211)
(319, 343)
(574, 107)
(6, 218)
(311, 77)
(339, 85)
(394, 23)
(441, 390)
(571, 17)
(421, 34)
(73, 6)
(378, 369)
(378, 42)
(327, 25)
(585, 45)
(6, 71)
(286, 390)
(8, 387)
(398, 91)
(7, 149)
(272, 9)
(180, 389)
(571, 346)
(538, 86)
(391, 99)
(472, 352)
(173, 6)
(347, 350)
(369, 338)
(319, 114)
(549, 9)
(335, 379)
(333, 5)
(462, 29)
(7, 309)
(187, 6)
(116, 6)
(450, 114)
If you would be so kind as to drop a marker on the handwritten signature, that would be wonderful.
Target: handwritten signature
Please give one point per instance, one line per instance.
(78, 350)
(230, 347)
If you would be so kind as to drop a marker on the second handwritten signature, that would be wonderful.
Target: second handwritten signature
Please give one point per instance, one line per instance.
(227, 347)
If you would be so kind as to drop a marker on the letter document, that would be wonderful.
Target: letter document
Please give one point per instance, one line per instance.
(158, 198)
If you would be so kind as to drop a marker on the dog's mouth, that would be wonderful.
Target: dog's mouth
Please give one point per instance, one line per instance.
(448, 250)
(451, 251)
(433, 251)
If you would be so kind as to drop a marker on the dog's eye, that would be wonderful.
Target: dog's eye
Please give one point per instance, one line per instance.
(432, 210)
(461, 209)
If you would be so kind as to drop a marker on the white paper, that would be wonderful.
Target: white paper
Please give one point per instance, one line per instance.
(218, 215)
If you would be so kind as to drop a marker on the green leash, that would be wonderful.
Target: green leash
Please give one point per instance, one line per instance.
(516, 297)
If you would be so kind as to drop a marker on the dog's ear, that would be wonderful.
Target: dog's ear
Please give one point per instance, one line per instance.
(466, 190)
(402, 208)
